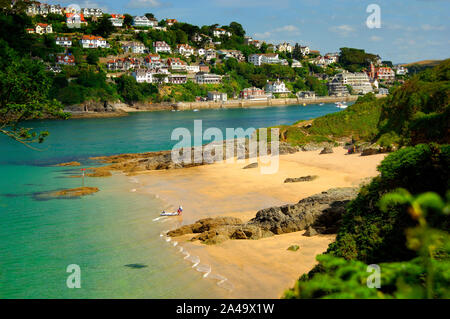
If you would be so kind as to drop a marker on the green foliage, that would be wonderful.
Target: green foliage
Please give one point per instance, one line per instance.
(370, 234)
(354, 60)
(425, 276)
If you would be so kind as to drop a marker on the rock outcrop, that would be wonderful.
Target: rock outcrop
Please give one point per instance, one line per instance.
(308, 178)
(319, 214)
(327, 150)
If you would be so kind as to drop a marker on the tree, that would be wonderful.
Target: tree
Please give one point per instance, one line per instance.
(237, 29)
(104, 28)
(128, 20)
(24, 95)
(150, 15)
(92, 58)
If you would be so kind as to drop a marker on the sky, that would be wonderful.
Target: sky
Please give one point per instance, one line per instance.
(410, 30)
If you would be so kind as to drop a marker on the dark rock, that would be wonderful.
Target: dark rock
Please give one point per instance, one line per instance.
(252, 165)
(370, 151)
(294, 248)
(310, 232)
(327, 150)
(308, 178)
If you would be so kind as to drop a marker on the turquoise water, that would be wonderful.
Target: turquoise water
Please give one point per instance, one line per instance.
(110, 234)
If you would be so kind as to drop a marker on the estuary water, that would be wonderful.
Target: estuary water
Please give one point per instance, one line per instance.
(114, 236)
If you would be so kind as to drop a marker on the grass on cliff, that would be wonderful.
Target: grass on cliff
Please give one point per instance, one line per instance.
(416, 112)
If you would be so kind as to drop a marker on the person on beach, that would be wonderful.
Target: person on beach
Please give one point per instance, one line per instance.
(180, 210)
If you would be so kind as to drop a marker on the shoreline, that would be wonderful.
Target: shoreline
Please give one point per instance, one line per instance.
(261, 268)
(124, 110)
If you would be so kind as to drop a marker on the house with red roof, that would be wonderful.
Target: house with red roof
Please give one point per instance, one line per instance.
(42, 28)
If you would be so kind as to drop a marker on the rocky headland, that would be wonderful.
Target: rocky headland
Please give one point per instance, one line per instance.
(318, 214)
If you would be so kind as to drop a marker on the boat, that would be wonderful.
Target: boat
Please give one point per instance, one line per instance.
(341, 106)
(170, 214)
(322, 104)
(196, 110)
(177, 213)
(304, 104)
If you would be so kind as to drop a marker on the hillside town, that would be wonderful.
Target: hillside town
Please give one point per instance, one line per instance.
(171, 53)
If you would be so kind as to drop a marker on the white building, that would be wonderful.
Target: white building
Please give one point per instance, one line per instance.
(201, 52)
(358, 81)
(42, 28)
(193, 68)
(162, 46)
(142, 21)
(296, 64)
(277, 87)
(221, 33)
(64, 41)
(285, 47)
(92, 12)
(207, 78)
(151, 76)
(185, 49)
(93, 42)
(117, 20)
(217, 96)
(304, 50)
(134, 47)
(210, 54)
(260, 59)
(401, 70)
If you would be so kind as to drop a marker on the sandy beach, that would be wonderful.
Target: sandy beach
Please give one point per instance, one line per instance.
(256, 268)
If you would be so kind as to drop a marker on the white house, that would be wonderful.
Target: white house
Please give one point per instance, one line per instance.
(64, 41)
(207, 78)
(210, 54)
(92, 12)
(221, 32)
(117, 20)
(161, 46)
(201, 52)
(134, 47)
(296, 64)
(176, 64)
(193, 68)
(285, 47)
(42, 28)
(277, 87)
(260, 59)
(185, 49)
(151, 76)
(92, 42)
(217, 96)
(177, 78)
(304, 50)
(142, 21)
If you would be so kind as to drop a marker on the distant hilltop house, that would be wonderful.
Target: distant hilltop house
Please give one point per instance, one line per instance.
(267, 58)
(43, 28)
(133, 47)
(381, 73)
(63, 41)
(296, 64)
(117, 20)
(251, 41)
(65, 59)
(92, 12)
(210, 54)
(171, 22)
(400, 70)
(253, 93)
(143, 21)
(217, 96)
(75, 20)
(284, 47)
(208, 78)
(176, 64)
(161, 46)
(221, 33)
(36, 8)
(93, 42)
(185, 49)
(228, 54)
(276, 87)
(123, 64)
